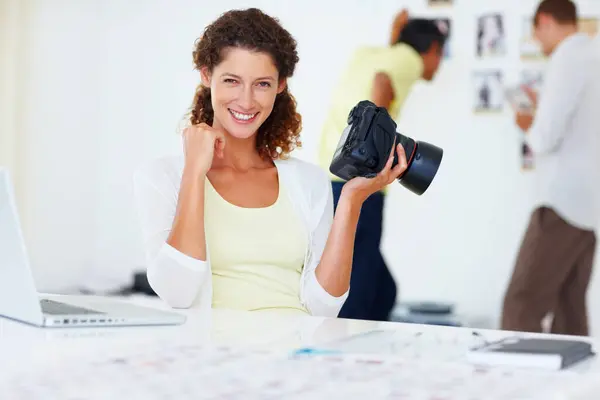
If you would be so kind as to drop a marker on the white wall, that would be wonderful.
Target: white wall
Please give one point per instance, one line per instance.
(59, 125)
(108, 81)
(11, 16)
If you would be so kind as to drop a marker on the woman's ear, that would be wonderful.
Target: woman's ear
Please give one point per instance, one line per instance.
(205, 76)
(282, 85)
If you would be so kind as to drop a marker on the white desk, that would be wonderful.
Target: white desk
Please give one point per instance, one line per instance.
(426, 359)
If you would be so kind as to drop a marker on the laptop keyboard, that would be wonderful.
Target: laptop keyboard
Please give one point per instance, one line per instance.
(52, 307)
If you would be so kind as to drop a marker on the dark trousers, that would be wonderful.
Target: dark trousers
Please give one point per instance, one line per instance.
(551, 275)
(372, 288)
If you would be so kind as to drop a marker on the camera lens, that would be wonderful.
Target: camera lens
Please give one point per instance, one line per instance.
(422, 168)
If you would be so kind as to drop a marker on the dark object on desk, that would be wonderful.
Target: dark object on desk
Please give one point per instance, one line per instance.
(428, 307)
(427, 313)
(552, 354)
(366, 144)
(141, 284)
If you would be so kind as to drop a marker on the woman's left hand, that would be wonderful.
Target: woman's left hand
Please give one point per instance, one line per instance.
(359, 189)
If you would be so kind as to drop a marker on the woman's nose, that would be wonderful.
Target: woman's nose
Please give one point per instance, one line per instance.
(246, 97)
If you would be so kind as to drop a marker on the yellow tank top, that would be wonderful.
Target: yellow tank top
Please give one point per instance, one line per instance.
(256, 254)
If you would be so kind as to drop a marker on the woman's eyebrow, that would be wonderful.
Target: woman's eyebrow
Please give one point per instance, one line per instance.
(263, 78)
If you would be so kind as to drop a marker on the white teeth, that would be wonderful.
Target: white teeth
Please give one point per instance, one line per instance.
(243, 117)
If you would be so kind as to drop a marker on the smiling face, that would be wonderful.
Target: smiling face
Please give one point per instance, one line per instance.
(243, 91)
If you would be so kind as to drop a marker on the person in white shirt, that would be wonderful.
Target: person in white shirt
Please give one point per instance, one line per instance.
(236, 222)
(554, 263)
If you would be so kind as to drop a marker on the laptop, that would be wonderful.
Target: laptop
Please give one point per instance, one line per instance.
(20, 301)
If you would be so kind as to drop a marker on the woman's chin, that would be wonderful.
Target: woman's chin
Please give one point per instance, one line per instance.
(241, 132)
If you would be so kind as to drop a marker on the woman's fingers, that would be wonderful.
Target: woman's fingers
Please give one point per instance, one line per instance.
(388, 165)
(385, 172)
(221, 144)
(402, 163)
(390, 162)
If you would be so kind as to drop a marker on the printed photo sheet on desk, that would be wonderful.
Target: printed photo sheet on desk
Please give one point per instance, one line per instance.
(191, 371)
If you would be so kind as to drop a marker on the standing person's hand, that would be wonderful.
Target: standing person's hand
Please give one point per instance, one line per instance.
(359, 189)
(524, 120)
(399, 22)
(532, 94)
(200, 144)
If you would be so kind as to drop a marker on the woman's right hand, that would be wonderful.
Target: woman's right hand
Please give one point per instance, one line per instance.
(200, 144)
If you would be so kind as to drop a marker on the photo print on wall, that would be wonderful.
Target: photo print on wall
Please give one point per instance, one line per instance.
(440, 3)
(529, 49)
(491, 37)
(488, 91)
(533, 78)
(527, 161)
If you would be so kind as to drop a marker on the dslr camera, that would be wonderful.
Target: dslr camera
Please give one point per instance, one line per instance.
(366, 144)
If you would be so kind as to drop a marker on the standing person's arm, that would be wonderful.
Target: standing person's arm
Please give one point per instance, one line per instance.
(382, 93)
(563, 88)
(400, 21)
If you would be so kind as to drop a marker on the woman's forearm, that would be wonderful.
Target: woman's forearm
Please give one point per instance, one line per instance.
(333, 271)
(187, 233)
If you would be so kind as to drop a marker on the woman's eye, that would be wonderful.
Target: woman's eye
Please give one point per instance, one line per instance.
(229, 80)
(264, 84)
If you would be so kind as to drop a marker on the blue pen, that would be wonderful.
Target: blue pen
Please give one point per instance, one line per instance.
(312, 351)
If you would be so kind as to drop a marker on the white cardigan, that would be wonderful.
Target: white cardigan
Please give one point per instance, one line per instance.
(182, 281)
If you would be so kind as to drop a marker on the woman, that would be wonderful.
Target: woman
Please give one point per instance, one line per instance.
(236, 222)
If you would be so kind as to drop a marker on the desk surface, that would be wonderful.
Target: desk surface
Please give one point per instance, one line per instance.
(252, 350)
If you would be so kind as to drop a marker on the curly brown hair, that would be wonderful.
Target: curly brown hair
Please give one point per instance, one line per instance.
(254, 30)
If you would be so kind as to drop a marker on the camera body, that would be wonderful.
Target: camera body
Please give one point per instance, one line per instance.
(366, 144)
